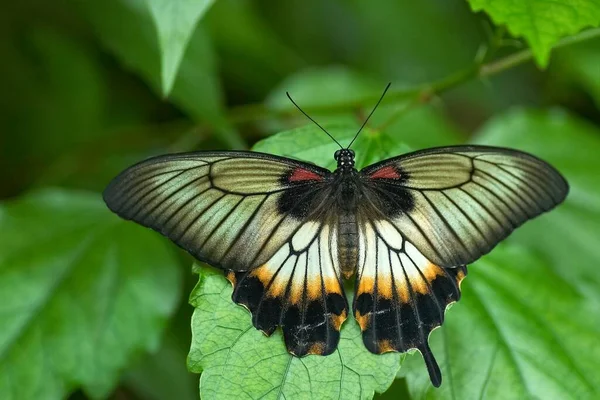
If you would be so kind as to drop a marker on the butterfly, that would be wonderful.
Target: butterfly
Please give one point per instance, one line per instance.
(288, 233)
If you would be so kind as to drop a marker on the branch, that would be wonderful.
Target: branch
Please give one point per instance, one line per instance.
(521, 57)
(420, 94)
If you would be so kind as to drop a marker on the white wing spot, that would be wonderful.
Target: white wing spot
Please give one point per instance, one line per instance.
(305, 235)
(390, 234)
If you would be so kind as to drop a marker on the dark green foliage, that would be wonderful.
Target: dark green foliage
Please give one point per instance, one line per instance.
(88, 302)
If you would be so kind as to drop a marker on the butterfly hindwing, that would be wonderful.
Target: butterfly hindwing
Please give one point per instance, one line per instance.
(299, 289)
(456, 203)
(400, 296)
(233, 210)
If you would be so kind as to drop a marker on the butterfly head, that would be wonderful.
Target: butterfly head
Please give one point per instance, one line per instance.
(345, 159)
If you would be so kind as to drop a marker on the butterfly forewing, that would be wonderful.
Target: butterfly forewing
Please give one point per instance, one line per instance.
(457, 203)
(230, 209)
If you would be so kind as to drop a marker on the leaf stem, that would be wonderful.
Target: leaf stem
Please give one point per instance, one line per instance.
(420, 94)
(526, 55)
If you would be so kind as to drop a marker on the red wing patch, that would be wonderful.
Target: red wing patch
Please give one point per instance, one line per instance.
(301, 174)
(388, 172)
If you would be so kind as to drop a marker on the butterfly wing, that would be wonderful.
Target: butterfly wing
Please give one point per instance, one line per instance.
(400, 296)
(233, 210)
(456, 203)
(425, 215)
(244, 211)
(300, 289)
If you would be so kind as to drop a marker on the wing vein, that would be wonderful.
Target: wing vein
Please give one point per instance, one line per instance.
(467, 216)
(245, 226)
(220, 223)
(193, 221)
(445, 221)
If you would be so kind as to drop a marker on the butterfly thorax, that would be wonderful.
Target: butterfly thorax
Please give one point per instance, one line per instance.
(345, 160)
(346, 180)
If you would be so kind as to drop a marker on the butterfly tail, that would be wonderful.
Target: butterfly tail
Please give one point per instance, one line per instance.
(435, 375)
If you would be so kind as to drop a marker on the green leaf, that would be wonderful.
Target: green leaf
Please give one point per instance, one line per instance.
(324, 93)
(58, 98)
(175, 21)
(541, 22)
(569, 235)
(253, 57)
(578, 64)
(412, 42)
(125, 28)
(319, 87)
(236, 360)
(81, 293)
(520, 331)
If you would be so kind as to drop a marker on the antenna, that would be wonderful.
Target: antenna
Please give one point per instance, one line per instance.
(374, 108)
(316, 123)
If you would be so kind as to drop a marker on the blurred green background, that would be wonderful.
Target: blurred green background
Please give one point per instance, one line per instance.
(82, 99)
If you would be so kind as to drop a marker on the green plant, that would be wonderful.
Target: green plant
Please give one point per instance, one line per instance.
(92, 305)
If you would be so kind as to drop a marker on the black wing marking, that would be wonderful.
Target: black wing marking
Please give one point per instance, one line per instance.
(299, 289)
(233, 210)
(400, 295)
(456, 203)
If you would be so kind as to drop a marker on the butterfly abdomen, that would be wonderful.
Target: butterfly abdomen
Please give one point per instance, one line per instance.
(348, 244)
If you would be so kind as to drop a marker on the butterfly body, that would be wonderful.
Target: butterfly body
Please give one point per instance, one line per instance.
(348, 243)
(287, 233)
